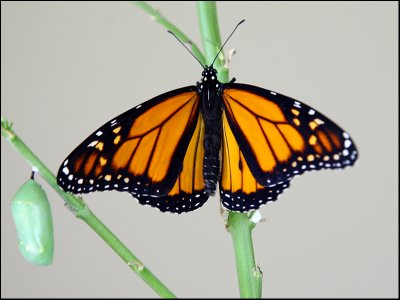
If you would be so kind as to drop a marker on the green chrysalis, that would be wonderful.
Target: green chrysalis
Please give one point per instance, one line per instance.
(32, 217)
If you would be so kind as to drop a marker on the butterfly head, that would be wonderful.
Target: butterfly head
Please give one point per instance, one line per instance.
(209, 79)
(209, 74)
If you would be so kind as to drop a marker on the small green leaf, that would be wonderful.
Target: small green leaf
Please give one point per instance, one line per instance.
(32, 217)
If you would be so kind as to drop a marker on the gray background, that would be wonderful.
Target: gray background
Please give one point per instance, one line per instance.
(66, 68)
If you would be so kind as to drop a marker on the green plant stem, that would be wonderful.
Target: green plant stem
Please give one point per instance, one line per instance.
(82, 211)
(239, 225)
(127, 256)
(258, 276)
(209, 29)
(157, 16)
(75, 204)
(249, 275)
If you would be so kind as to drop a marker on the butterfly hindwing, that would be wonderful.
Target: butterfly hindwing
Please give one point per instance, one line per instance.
(239, 190)
(188, 192)
(281, 137)
(141, 151)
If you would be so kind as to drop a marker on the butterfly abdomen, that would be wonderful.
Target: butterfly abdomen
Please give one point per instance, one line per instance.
(212, 145)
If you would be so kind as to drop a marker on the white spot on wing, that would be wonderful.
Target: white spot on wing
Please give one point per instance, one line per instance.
(297, 104)
(92, 144)
(347, 143)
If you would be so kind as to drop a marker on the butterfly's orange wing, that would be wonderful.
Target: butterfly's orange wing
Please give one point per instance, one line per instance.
(269, 139)
(145, 151)
(188, 192)
(240, 190)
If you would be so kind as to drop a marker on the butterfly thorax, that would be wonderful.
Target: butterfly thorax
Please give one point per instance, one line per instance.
(209, 89)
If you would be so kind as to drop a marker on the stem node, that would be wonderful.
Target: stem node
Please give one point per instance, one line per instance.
(136, 265)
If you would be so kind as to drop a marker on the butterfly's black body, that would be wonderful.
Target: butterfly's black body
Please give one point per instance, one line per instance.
(209, 89)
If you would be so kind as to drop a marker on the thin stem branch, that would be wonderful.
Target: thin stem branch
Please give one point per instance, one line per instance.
(209, 29)
(249, 275)
(82, 211)
(239, 225)
(75, 204)
(157, 16)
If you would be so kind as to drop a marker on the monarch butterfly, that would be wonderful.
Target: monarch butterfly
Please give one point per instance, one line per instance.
(166, 151)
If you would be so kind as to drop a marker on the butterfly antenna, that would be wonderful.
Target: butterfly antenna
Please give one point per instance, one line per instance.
(183, 44)
(227, 41)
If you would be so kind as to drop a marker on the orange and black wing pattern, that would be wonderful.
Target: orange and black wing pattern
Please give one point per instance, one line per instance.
(239, 189)
(153, 151)
(268, 139)
(188, 192)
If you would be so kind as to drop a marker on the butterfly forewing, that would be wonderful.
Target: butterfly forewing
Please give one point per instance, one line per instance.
(281, 137)
(140, 151)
